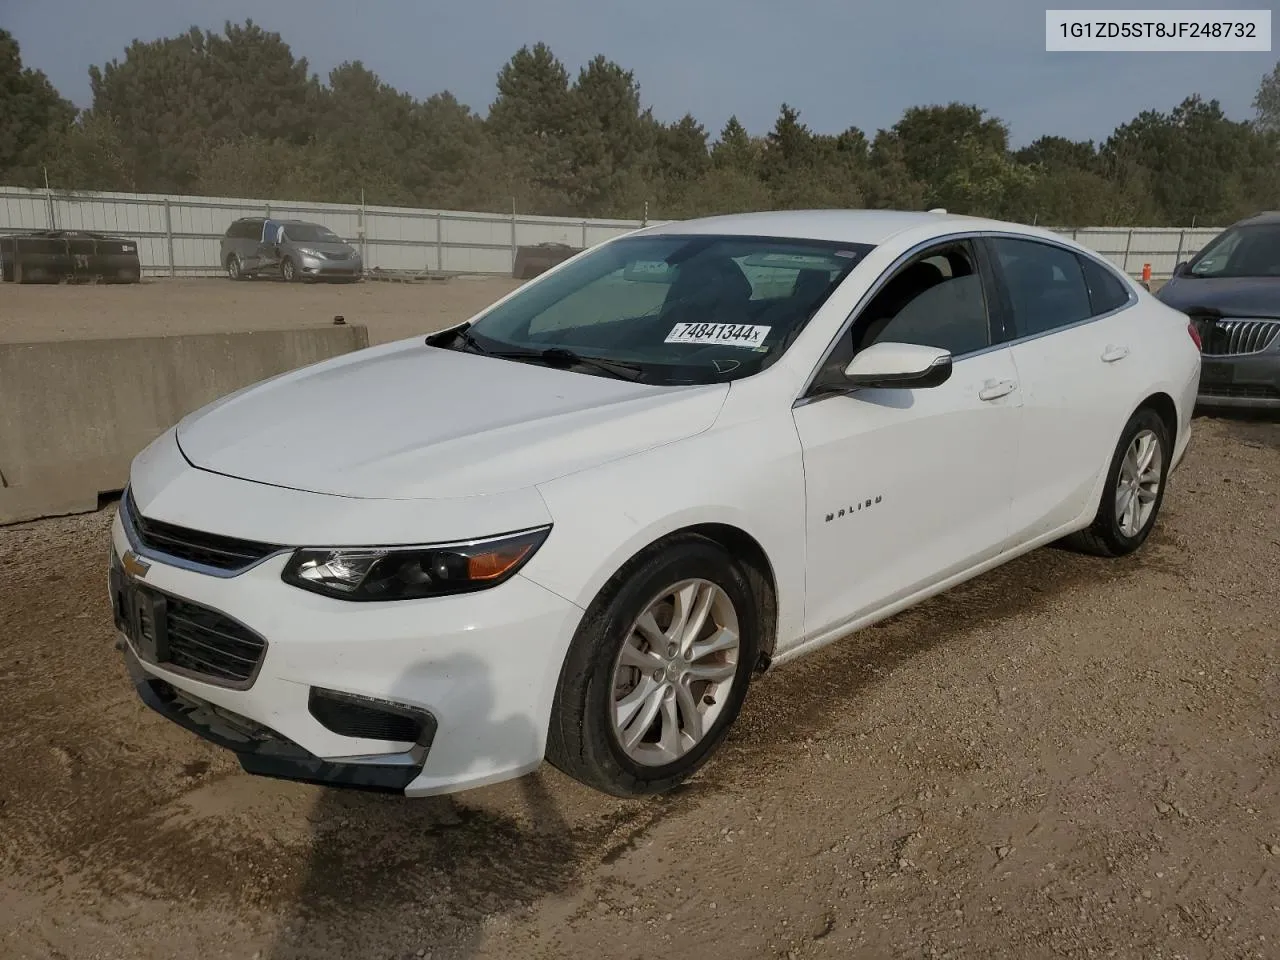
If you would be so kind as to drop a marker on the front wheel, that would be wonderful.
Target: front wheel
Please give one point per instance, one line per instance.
(1134, 489)
(657, 670)
(288, 270)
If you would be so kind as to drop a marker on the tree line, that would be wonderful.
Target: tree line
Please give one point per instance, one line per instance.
(237, 114)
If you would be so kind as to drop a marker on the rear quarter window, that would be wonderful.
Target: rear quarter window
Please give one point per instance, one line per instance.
(1107, 292)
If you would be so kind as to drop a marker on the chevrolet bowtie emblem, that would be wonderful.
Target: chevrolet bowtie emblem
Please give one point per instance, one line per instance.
(134, 565)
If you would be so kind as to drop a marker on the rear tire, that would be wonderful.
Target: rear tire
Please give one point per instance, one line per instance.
(1137, 473)
(615, 675)
(234, 269)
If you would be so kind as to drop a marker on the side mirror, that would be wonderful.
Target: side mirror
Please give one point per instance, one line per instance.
(903, 366)
(1180, 269)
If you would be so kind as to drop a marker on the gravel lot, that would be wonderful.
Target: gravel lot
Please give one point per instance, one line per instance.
(1067, 757)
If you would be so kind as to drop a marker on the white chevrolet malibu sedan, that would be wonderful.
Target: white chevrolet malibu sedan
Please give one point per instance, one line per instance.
(575, 526)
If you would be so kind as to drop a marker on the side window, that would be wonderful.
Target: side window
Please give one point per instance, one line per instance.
(1046, 285)
(1106, 291)
(936, 300)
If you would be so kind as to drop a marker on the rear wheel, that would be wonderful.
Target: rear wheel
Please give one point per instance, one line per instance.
(1134, 489)
(234, 269)
(657, 671)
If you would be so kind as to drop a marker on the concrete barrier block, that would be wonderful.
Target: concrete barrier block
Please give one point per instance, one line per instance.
(74, 413)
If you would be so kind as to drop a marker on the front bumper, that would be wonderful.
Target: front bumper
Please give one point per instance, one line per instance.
(479, 671)
(324, 268)
(265, 752)
(1251, 380)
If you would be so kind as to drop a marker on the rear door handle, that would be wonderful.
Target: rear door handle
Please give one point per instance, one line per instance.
(1114, 353)
(994, 389)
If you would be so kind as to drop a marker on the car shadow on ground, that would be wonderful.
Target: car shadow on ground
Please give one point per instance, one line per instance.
(394, 877)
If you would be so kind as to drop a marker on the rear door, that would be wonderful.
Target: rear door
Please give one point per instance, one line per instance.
(1070, 318)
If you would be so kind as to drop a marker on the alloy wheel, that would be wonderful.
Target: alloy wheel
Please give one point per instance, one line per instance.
(1138, 483)
(675, 671)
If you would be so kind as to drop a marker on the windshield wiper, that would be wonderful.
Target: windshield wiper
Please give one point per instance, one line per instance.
(467, 337)
(454, 335)
(560, 357)
(625, 371)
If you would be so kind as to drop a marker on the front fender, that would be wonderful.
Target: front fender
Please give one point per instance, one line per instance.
(748, 475)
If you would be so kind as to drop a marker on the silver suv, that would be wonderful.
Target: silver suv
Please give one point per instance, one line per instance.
(290, 249)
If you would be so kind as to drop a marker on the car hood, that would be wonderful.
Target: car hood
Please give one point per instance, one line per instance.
(409, 421)
(1234, 296)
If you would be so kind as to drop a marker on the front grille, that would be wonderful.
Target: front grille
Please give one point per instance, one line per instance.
(1234, 338)
(1247, 391)
(195, 546)
(209, 643)
(351, 716)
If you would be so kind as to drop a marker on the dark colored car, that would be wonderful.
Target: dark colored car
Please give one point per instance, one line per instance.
(289, 249)
(54, 256)
(538, 259)
(1231, 291)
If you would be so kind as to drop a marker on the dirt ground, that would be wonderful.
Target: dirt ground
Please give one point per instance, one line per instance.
(157, 307)
(1067, 757)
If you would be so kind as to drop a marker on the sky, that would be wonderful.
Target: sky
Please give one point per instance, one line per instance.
(841, 63)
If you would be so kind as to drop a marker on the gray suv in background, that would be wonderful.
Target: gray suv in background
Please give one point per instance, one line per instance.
(290, 249)
(1231, 292)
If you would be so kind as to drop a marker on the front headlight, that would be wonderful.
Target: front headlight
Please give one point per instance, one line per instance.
(308, 252)
(410, 573)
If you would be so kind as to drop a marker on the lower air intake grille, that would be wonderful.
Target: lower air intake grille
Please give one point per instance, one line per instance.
(208, 643)
(1240, 391)
(350, 716)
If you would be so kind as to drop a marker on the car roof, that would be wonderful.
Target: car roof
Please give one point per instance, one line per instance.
(311, 223)
(848, 226)
(1266, 217)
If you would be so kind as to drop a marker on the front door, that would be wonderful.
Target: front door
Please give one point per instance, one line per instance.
(906, 487)
(267, 254)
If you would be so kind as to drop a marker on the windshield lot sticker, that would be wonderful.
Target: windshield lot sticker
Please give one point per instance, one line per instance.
(726, 334)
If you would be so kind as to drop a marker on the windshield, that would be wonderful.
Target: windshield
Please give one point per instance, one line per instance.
(311, 233)
(1252, 251)
(676, 309)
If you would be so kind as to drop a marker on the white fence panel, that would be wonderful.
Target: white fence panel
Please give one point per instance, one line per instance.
(179, 235)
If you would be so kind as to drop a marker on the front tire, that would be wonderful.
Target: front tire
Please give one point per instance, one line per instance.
(288, 270)
(1134, 489)
(657, 671)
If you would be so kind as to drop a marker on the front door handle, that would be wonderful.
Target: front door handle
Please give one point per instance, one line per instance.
(994, 389)
(1114, 353)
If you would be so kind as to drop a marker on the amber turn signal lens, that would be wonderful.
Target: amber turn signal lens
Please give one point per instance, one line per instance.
(494, 563)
